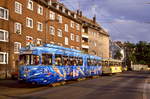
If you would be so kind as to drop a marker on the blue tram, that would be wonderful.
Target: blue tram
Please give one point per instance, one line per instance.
(48, 64)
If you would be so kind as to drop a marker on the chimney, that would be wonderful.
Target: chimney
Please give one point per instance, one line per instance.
(94, 19)
(80, 13)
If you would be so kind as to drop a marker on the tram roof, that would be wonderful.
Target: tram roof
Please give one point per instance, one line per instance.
(49, 48)
(114, 60)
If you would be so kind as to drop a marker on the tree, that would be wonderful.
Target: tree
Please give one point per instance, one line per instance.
(118, 55)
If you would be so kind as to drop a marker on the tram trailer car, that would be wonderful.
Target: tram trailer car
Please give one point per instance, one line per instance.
(111, 66)
(48, 64)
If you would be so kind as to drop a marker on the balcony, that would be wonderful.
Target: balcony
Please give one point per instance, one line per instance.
(85, 45)
(85, 35)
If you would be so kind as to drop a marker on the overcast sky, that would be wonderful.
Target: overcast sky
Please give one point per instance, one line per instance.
(126, 20)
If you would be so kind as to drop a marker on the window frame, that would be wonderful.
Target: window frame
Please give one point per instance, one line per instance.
(5, 32)
(59, 33)
(30, 1)
(18, 11)
(18, 44)
(59, 17)
(52, 15)
(6, 13)
(5, 58)
(77, 38)
(72, 36)
(72, 23)
(66, 41)
(40, 10)
(27, 22)
(66, 28)
(38, 40)
(78, 27)
(39, 26)
(16, 25)
(51, 28)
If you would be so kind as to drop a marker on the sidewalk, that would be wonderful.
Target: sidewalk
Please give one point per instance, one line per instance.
(12, 88)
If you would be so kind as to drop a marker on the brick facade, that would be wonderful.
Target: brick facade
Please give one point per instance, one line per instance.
(44, 35)
(40, 29)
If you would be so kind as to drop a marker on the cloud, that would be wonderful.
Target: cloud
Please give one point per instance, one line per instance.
(125, 20)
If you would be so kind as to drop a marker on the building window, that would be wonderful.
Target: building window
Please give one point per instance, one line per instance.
(77, 48)
(30, 4)
(52, 15)
(18, 28)
(39, 26)
(3, 35)
(77, 26)
(59, 18)
(17, 47)
(3, 13)
(77, 38)
(39, 42)
(3, 58)
(72, 24)
(72, 36)
(66, 41)
(40, 10)
(18, 7)
(52, 30)
(29, 22)
(29, 40)
(52, 43)
(60, 44)
(59, 32)
(72, 47)
(66, 27)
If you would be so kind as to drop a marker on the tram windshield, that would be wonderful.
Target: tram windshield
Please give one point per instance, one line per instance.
(29, 59)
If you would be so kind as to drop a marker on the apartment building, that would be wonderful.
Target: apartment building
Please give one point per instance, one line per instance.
(34, 21)
(95, 40)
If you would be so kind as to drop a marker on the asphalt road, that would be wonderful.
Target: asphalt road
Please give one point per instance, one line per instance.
(128, 85)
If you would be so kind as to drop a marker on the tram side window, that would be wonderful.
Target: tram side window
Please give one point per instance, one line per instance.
(47, 59)
(80, 62)
(29, 60)
(88, 62)
(58, 60)
(111, 64)
(66, 61)
(99, 63)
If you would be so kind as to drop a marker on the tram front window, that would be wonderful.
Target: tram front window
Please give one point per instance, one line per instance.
(29, 59)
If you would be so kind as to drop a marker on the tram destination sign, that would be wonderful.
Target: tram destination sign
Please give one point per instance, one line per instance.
(26, 52)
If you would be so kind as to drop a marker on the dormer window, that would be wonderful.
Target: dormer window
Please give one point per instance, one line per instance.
(69, 13)
(75, 16)
(57, 7)
(63, 10)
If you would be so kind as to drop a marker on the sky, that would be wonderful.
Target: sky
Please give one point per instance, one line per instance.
(125, 20)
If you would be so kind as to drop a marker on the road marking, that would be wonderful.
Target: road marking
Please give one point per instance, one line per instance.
(146, 87)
